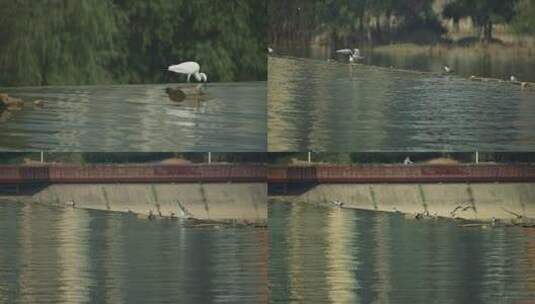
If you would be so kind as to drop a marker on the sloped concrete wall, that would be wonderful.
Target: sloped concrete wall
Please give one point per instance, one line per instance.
(210, 201)
(470, 201)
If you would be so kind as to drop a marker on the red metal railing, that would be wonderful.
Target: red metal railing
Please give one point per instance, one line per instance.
(133, 173)
(403, 174)
(259, 173)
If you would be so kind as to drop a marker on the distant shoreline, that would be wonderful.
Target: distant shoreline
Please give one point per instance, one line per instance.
(438, 49)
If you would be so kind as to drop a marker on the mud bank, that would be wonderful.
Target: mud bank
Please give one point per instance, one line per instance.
(241, 202)
(477, 201)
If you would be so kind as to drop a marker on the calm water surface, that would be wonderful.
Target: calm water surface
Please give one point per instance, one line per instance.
(315, 105)
(327, 255)
(78, 256)
(138, 118)
(500, 64)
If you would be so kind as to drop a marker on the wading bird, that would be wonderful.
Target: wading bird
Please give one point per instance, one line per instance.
(189, 68)
(513, 78)
(447, 69)
(354, 54)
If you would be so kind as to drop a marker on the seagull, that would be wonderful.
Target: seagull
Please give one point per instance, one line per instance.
(39, 103)
(447, 69)
(513, 78)
(354, 55)
(189, 68)
(338, 203)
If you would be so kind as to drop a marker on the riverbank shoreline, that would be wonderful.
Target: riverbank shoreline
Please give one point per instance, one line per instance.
(516, 221)
(188, 222)
(440, 49)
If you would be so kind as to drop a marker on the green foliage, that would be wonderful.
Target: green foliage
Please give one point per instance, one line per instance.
(46, 42)
(384, 21)
(484, 13)
(524, 20)
(50, 42)
(364, 20)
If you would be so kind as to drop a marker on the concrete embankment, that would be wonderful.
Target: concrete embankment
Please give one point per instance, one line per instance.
(211, 201)
(474, 192)
(236, 193)
(469, 201)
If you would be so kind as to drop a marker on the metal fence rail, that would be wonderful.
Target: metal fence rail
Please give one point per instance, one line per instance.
(403, 174)
(133, 173)
(260, 173)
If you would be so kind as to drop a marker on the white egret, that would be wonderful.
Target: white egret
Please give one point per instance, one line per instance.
(189, 68)
(513, 78)
(270, 50)
(354, 54)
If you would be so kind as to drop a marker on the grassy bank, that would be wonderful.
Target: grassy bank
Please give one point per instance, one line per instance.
(510, 50)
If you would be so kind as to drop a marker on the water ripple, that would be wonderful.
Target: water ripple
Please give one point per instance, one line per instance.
(138, 118)
(327, 255)
(71, 256)
(320, 106)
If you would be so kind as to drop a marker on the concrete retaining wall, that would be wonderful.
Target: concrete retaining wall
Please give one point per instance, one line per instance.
(471, 201)
(212, 201)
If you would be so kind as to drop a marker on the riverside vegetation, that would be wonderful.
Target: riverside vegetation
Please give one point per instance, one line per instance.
(380, 22)
(63, 42)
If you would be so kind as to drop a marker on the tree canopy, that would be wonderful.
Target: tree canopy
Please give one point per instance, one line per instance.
(52, 42)
(386, 21)
(363, 20)
(484, 13)
(524, 20)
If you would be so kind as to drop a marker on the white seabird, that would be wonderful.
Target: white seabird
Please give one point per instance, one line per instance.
(337, 203)
(447, 69)
(189, 68)
(354, 54)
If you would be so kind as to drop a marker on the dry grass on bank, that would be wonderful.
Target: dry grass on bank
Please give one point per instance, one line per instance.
(494, 49)
(175, 161)
(442, 161)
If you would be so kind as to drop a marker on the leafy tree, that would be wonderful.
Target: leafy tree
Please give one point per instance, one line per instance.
(51, 42)
(484, 13)
(524, 20)
(56, 41)
(348, 20)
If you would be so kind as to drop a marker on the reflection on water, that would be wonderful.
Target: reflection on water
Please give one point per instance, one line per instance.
(327, 255)
(74, 256)
(320, 106)
(138, 118)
